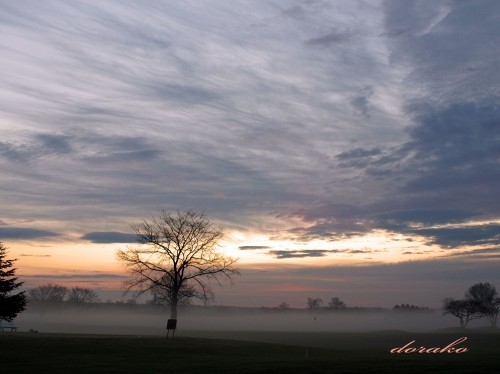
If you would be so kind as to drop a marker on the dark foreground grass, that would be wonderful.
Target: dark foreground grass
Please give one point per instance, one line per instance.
(53, 353)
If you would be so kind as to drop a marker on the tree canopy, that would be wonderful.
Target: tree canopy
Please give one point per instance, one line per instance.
(481, 300)
(11, 303)
(177, 256)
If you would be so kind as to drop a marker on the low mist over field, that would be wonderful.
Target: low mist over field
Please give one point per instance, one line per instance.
(139, 320)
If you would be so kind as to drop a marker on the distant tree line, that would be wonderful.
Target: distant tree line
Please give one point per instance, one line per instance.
(335, 303)
(410, 308)
(481, 300)
(54, 294)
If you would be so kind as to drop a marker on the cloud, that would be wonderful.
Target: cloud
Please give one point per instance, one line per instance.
(30, 255)
(54, 143)
(457, 237)
(332, 38)
(110, 237)
(424, 283)
(40, 145)
(22, 233)
(428, 217)
(450, 173)
(357, 153)
(252, 247)
(89, 276)
(442, 43)
(304, 253)
(447, 173)
(292, 253)
(484, 253)
(329, 120)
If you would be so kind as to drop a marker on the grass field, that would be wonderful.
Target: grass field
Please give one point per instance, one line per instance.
(246, 352)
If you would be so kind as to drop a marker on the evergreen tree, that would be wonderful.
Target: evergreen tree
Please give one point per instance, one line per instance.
(10, 303)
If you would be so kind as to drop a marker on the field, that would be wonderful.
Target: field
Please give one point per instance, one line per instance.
(248, 352)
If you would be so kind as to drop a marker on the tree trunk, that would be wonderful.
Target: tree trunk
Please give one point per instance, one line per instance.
(493, 319)
(173, 306)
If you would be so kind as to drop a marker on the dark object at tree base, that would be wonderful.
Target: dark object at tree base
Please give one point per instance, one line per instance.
(171, 325)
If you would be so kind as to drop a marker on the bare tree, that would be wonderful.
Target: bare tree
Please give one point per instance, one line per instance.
(493, 311)
(464, 310)
(177, 252)
(283, 306)
(48, 294)
(483, 296)
(336, 304)
(80, 295)
(314, 303)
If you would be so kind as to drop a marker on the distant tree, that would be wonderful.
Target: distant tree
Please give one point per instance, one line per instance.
(336, 304)
(177, 252)
(284, 305)
(49, 294)
(484, 298)
(314, 303)
(410, 308)
(11, 303)
(80, 296)
(462, 309)
(493, 311)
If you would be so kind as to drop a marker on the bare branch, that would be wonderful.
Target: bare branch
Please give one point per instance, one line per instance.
(178, 254)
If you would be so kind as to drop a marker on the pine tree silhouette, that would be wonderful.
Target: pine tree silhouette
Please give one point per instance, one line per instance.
(10, 303)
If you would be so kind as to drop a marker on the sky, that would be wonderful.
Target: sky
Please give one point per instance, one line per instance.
(348, 148)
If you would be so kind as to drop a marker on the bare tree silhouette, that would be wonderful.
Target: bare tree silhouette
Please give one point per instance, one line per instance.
(484, 297)
(314, 303)
(178, 254)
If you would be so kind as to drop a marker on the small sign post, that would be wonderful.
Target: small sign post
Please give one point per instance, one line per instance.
(171, 325)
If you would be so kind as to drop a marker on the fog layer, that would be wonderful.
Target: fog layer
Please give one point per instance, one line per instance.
(135, 320)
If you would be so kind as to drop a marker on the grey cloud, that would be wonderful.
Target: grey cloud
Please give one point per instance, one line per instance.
(21, 233)
(12, 152)
(89, 276)
(252, 247)
(448, 169)
(476, 253)
(297, 12)
(116, 156)
(358, 251)
(456, 237)
(448, 47)
(406, 217)
(278, 123)
(361, 103)
(332, 38)
(55, 143)
(110, 237)
(303, 253)
(426, 283)
(412, 273)
(31, 255)
(357, 153)
(375, 162)
(333, 229)
(179, 93)
(84, 145)
(37, 146)
(454, 167)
